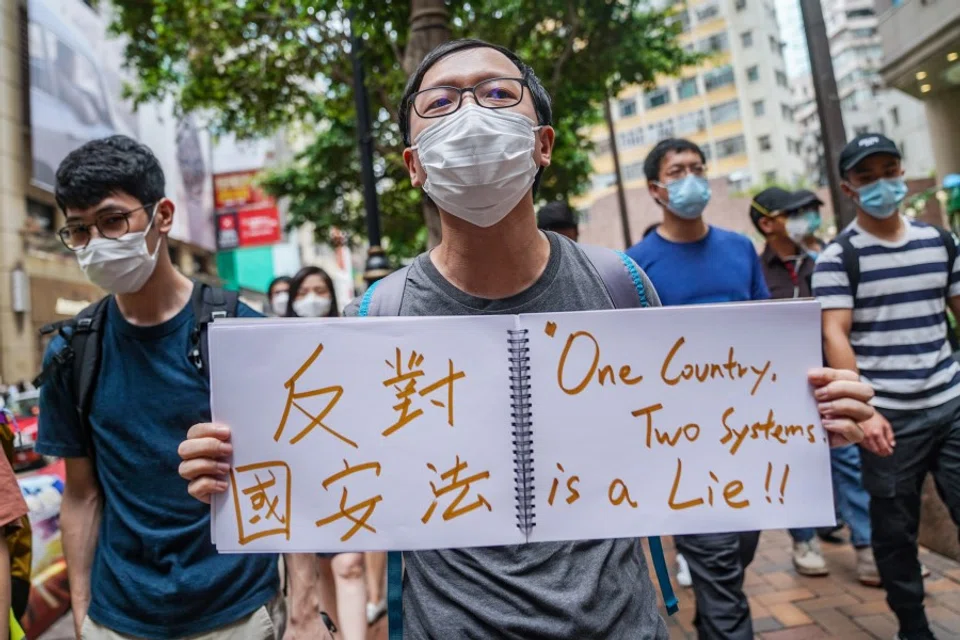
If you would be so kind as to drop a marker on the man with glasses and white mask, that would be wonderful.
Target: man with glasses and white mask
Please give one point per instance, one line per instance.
(477, 121)
(137, 546)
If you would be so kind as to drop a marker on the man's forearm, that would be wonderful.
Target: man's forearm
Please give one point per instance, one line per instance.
(303, 582)
(80, 528)
(838, 352)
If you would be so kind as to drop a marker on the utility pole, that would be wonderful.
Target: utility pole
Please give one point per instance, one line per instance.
(828, 106)
(621, 196)
(377, 265)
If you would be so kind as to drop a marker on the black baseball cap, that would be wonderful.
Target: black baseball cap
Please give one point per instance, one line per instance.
(773, 201)
(863, 146)
(806, 197)
(556, 215)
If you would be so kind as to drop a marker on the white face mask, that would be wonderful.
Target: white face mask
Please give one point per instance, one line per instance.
(312, 306)
(479, 162)
(123, 265)
(797, 228)
(279, 303)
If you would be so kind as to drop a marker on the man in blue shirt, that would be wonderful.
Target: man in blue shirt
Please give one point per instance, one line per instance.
(691, 262)
(138, 549)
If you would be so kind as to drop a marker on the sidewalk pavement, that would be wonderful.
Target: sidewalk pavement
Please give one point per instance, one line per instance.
(787, 606)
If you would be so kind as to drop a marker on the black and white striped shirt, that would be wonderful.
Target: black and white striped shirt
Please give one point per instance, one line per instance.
(899, 332)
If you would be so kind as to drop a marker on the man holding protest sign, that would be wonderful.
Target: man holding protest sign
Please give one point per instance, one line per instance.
(478, 121)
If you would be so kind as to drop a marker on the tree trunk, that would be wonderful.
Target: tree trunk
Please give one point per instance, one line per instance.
(429, 27)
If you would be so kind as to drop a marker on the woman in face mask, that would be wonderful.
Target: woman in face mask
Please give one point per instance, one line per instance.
(311, 295)
(278, 293)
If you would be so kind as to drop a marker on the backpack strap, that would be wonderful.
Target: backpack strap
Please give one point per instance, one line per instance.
(387, 303)
(85, 345)
(851, 263)
(209, 303)
(950, 244)
(619, 275)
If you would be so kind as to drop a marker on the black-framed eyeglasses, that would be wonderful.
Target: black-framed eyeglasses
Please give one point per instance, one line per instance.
(112, 225)
(495, 93)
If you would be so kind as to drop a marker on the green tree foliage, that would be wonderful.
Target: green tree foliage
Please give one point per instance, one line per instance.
(256, 65)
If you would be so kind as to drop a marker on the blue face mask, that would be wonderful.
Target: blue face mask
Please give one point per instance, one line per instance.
(688, 196)
(813, 221)
(882, 198)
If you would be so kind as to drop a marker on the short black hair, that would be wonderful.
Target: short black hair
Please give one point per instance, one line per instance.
(539, 95)
(276, 281)
(297, 282)
(555, 215)
(104, 167)
(651, 165)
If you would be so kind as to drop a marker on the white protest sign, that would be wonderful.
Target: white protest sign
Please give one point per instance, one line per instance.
(408, 433)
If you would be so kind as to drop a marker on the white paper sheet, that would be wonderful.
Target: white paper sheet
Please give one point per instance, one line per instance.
(590, 428)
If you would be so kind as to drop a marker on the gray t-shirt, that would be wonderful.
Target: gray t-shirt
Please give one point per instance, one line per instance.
(564, 590)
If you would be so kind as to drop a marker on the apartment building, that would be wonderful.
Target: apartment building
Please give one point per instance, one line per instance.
(866, 102)
(737, 106)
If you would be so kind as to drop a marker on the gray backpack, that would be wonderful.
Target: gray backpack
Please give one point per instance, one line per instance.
(624, 284)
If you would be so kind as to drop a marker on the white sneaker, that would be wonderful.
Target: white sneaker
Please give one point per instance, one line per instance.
(374, 611)
(808, 560)
(683, 572)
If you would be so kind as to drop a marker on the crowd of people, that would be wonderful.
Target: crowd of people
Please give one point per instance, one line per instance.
(143, 458)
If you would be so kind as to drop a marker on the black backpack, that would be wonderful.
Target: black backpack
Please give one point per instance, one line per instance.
(80, 359)
(851, 265)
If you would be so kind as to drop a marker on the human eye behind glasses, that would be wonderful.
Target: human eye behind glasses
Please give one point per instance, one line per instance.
(500, 92)
(113, 224)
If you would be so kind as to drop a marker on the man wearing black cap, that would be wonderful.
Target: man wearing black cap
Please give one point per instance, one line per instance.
(784, 219)
(557, 216)
(884, 286)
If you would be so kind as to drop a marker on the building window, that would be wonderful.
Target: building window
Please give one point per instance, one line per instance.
(690, 123)
(707, 11)
(860, 13)
(656, 97)
(753, 73)
(746, 39)
(630, 138)
(731, 147)
(628, 108)
(758, 109)
(775, 45)
(781, 78)
(687, 88)
(861, 130)
(719, 77)
(764, 143)
(659, 130)
(770, 177)
(895, 116)
(707, 151)
(786, 112)
(633, 171)
(601, 147)
(740, 5)
(867, 32)
(725, 112)
(603, 181)
(715, 43)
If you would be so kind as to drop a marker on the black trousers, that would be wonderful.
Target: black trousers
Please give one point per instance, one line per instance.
(717, 565)
(927, 440)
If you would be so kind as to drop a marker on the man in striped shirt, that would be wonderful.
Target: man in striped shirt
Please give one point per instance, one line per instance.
(884, 285)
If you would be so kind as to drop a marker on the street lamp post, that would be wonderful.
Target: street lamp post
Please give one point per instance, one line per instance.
(377, 265)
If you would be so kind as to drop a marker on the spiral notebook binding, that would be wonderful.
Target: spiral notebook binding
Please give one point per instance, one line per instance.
(522, 428)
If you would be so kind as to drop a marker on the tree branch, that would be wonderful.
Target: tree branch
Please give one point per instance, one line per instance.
(574, 20)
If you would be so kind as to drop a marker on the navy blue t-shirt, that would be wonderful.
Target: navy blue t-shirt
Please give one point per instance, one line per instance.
(155, 572)
(720, 267)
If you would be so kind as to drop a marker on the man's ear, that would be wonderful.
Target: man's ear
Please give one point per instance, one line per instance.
(543, 153)
(766, 225)
(848, 190)
(658, 193)
(163, 217)
(412, 160)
